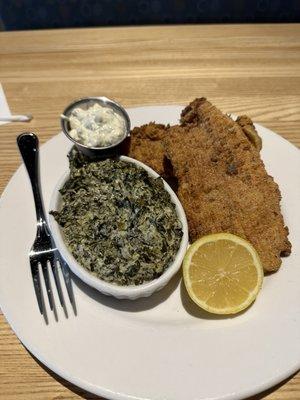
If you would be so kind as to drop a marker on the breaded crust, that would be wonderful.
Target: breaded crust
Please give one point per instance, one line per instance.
(249, 130)
(146, 145)
(223, 184)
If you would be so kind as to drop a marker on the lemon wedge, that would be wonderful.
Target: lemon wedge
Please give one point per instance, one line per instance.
(222, 273)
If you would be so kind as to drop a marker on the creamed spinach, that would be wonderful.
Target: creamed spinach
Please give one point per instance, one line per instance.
(118, 222)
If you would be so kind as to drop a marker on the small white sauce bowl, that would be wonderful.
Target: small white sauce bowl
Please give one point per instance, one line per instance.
(121, 292)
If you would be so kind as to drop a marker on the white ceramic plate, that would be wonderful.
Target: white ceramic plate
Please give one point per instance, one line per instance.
(161, 347)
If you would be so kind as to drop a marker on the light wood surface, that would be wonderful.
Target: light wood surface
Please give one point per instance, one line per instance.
(253, 69)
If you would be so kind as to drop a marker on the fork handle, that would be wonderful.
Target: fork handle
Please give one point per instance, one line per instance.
(28, 144)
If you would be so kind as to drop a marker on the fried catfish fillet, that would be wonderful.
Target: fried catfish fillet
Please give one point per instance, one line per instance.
(249, 130)
(223, 184)
(146, 145)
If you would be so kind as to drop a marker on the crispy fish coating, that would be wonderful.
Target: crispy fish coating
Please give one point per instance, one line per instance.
(146, 145)
(250, 131)
(190, 117)
(223, 184)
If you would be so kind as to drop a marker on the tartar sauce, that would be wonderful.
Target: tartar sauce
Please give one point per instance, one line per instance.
(97, 126)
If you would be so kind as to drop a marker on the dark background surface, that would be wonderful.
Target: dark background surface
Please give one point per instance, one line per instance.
(45, 14)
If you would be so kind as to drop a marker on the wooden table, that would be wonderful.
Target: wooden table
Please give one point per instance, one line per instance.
(253, 69)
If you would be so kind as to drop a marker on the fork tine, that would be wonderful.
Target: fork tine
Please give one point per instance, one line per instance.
(37, 284)
(56, 279)
(66, 274)
(47, 282)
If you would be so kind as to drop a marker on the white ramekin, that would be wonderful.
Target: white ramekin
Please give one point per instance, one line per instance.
(120, 292)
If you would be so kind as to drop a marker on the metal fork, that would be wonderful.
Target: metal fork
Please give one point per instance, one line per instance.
(43, 250)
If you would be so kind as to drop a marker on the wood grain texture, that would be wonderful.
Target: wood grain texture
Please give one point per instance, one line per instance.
(253, 69)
